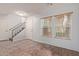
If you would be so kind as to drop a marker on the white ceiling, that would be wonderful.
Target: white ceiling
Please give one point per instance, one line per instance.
(31, 8)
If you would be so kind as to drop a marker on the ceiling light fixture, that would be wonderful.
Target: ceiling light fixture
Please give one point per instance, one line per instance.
(21, 13)
(50, 4)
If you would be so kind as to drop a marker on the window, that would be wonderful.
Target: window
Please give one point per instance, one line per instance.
(62, 26)
(46, 26)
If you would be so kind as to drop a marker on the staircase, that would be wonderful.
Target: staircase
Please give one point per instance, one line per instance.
(16, 30)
